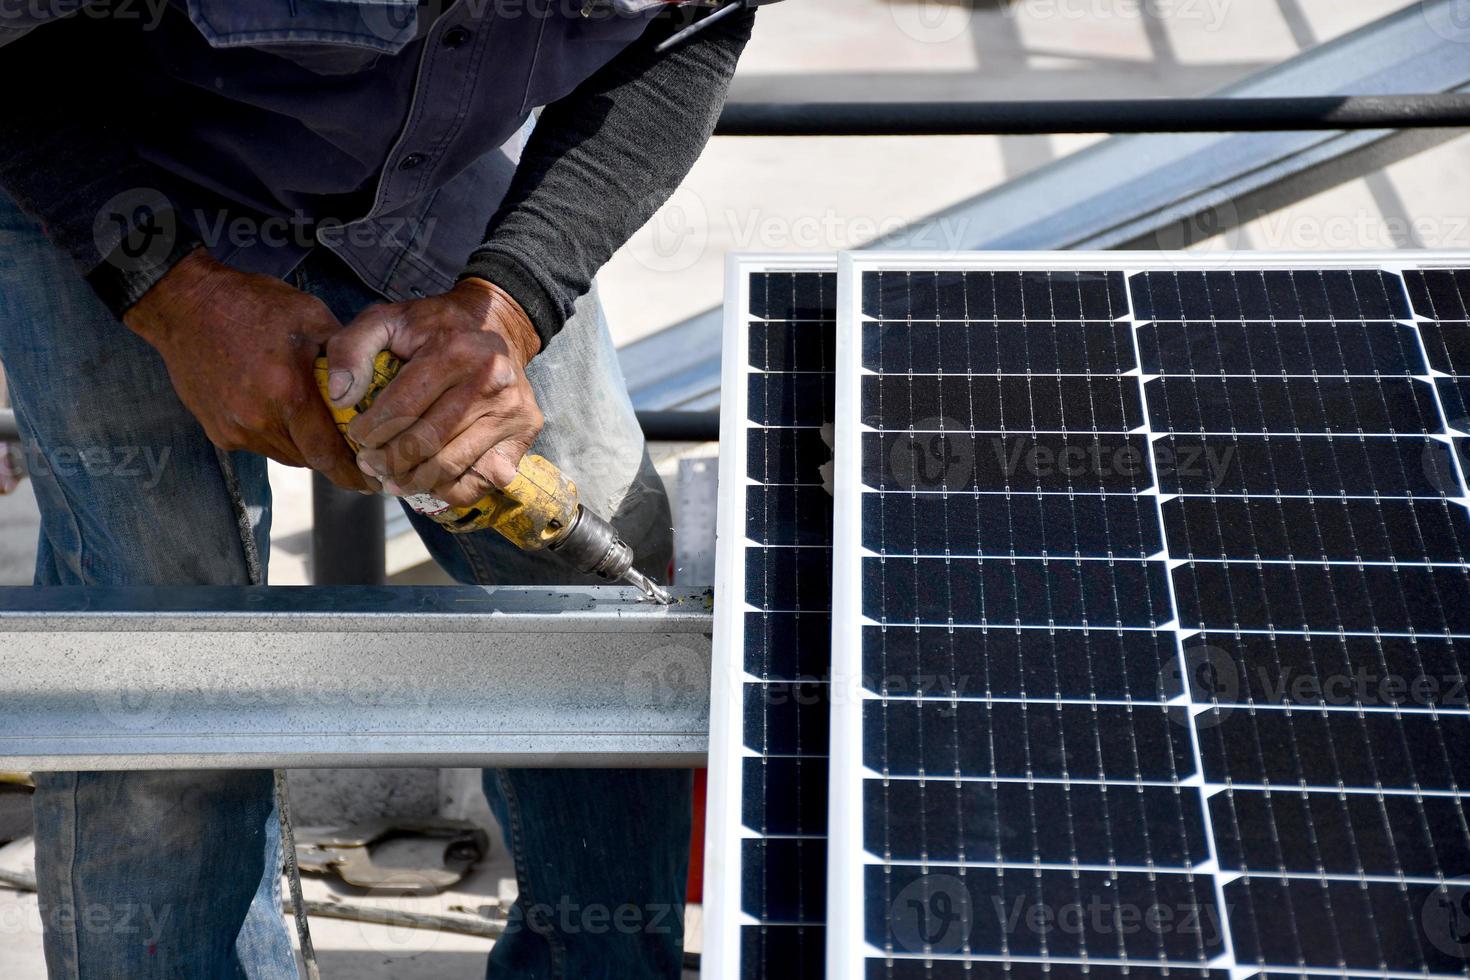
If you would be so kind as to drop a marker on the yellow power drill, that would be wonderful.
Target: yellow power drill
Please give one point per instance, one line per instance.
(538, 510)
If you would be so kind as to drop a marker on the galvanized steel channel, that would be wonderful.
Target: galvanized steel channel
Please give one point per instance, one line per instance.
(303, 677)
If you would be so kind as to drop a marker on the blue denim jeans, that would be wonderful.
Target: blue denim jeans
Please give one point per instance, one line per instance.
(176, 874)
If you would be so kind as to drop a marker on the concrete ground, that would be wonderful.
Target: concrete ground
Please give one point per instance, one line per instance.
(344, 948)
(829, 194)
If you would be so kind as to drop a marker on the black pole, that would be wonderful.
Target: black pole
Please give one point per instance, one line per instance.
(1219, 115)
(680, 426)
(348, 542)
(9, 430)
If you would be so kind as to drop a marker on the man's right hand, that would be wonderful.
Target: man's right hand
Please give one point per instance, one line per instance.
(239, 349)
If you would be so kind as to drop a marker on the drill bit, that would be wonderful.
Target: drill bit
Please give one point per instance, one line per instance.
(593, 545)
(649, 587)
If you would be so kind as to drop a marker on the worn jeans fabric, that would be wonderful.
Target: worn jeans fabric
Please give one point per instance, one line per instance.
(175, 874)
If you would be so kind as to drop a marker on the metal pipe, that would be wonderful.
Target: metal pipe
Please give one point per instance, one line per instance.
(348, 536)
(1032, 117)
(285, 678)
(680, 426)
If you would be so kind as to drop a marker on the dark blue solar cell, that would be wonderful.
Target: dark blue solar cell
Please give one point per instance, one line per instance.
(1332, 924)
(935, 661)
(784, 795)
(938, 738)
(790, 399)
(996, 403)
(916, 910)
(785, 346)
(956, 462)
(1241, 594)
(784, 879)
(786, 455)
(1019, 823)
(1023, 592)
(1329, 670)
(776, 950)
(1299, 465)
(1091, 526)
(1318, 529)
(788, 515)
(788, 645)
(787, 717)
(1322, 749)
(1439, 294)
(1290, 405)
(793, 296)
(1369, 348)
(1348, 833)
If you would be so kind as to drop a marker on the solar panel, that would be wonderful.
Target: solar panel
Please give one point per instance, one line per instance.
(765, 891)
(1151, 617)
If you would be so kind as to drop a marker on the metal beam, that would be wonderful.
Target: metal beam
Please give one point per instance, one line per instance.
(298, 677)
(1152, 191)
(1025, 117)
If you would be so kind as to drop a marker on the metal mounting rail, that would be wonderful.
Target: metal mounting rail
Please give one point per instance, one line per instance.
(302, 677)
(1236, 114)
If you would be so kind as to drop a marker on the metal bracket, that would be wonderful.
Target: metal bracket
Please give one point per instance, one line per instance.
(117, 678)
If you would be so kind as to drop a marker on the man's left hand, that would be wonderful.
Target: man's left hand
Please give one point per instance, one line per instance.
(460, 414)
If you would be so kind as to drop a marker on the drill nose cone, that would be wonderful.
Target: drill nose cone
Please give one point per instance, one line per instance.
(648, 586)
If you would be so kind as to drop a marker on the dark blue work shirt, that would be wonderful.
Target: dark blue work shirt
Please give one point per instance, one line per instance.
(387, 131)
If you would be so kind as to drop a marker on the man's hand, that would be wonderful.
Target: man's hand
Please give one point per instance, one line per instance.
(239, 349)
(460, 414)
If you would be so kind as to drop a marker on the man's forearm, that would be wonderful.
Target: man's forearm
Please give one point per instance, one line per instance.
(600, 163)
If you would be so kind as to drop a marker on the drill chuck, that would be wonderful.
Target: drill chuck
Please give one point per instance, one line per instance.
(591, 544)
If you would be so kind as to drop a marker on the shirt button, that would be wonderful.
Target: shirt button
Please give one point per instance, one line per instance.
(411, 161)
(455, 36)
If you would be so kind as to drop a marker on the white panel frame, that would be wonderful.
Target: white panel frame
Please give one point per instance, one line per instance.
(847, 947)
(723, 828)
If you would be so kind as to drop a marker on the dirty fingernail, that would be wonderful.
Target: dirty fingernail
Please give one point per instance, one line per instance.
(337, 384)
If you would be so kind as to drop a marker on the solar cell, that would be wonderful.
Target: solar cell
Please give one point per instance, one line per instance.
(765, 891)
(1151, 613)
